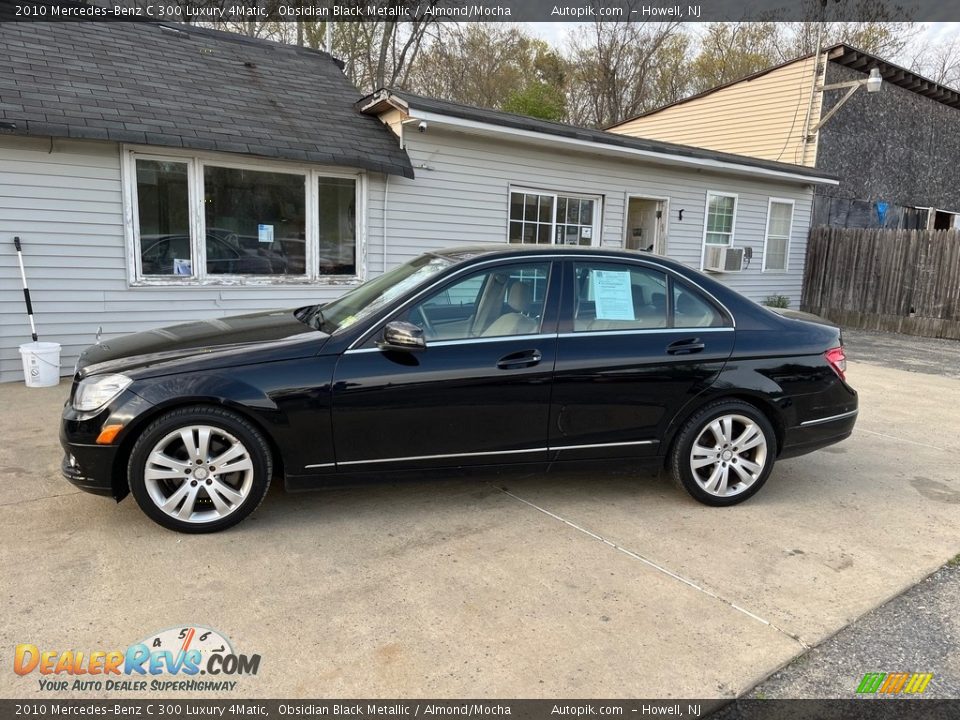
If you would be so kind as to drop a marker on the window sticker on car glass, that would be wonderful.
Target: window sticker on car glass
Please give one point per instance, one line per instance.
(611, 291)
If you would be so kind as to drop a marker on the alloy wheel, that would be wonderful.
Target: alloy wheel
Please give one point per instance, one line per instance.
(729, 455)
(198, 473)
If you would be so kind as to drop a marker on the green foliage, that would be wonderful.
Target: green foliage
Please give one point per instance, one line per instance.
(539, 100)
(777, 301)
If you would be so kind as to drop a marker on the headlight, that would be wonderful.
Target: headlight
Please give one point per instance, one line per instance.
(95, 392)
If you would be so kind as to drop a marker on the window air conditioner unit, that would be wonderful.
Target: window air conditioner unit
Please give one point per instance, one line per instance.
(722, 258)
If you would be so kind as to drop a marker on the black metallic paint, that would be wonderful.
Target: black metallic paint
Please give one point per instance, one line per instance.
(320, 403)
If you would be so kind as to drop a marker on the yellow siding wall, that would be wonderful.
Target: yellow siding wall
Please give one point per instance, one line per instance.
(763, 117)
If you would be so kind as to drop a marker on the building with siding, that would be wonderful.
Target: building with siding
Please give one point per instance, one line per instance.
(164, 175)
(896, 152)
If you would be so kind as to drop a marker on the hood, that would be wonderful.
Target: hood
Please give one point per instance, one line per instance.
(218, 337)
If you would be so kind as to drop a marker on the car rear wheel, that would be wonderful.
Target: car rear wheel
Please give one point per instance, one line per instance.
(724, 453)
(199, 469)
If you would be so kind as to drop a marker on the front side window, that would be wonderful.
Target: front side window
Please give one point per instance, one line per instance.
(721, 215)
(779, 226)
(200, 220)
(496, 302)
(548, 218)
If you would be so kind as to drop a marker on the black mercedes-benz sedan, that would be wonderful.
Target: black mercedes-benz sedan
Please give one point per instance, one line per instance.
(484, 356)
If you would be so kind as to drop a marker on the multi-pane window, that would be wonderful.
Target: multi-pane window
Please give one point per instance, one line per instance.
(721, 214)
(779, 226)
(539, 218)
(196, 219)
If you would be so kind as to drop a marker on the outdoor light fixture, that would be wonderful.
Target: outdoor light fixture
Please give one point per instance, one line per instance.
(873, 82)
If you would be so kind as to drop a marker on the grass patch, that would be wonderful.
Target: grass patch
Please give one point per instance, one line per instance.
(954, 561)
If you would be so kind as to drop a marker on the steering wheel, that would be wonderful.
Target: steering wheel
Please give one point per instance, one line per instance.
(427, 325)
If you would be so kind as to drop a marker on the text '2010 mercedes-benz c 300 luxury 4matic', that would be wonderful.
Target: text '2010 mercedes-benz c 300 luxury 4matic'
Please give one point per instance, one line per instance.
(462, 358)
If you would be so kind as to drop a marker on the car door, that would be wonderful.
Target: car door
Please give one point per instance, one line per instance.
(479, 393)
(627, 359)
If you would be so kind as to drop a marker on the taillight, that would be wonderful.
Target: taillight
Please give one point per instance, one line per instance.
(838, 361)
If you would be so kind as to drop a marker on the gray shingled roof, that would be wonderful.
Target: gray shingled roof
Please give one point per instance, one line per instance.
(190, 87)
(522, 122)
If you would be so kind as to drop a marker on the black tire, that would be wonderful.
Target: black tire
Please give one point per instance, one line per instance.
(681, 461)
(256, 481)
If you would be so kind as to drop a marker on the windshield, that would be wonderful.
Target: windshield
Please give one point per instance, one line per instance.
(375, 294)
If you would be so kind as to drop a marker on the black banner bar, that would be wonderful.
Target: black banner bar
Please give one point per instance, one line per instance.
(181, 709)
(479, 10)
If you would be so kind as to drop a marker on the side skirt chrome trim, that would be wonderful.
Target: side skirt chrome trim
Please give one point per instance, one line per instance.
(601, 445)
(820, 421)
(442, 457)
(484, 454)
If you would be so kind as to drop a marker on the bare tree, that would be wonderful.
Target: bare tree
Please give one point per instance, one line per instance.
(613, 67)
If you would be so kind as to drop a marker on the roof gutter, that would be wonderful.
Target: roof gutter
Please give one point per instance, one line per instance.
(616, 150)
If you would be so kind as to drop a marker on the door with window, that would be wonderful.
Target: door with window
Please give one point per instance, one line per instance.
(635, 345)
(478, 393)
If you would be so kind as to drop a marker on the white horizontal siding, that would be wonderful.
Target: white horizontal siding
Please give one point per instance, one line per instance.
(461, 196)
(66, 206)
(65, 203)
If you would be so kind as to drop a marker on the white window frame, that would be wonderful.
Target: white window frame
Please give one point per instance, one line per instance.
(766, 235)
(706, 219)
(196, 162)
(555, 194)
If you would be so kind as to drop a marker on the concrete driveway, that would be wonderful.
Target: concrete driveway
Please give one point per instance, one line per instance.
(568, 585)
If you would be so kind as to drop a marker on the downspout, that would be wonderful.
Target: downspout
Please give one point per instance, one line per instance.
(813, 91)
(386, 205)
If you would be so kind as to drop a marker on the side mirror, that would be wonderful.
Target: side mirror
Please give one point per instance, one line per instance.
(402, 336)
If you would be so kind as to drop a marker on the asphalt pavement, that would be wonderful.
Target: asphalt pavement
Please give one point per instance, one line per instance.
(917, 632)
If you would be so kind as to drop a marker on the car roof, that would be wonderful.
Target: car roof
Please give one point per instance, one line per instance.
(472, 252)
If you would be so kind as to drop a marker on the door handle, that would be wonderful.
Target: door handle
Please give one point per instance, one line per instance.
(522, 359)
(687, 346)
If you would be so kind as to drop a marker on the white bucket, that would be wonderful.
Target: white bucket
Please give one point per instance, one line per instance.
(41, 363)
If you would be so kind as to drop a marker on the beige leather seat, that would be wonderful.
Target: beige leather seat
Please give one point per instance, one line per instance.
(519, 298)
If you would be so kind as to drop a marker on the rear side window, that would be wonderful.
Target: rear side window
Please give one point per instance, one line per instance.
(610, 296)
(691, 309)
(615, 296)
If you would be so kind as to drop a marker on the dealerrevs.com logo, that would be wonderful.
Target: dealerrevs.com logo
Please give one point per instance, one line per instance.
(190, 658)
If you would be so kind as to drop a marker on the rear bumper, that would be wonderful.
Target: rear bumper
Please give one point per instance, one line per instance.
(817, 433)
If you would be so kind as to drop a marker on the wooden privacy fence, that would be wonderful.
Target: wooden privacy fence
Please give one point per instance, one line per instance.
(896, 280)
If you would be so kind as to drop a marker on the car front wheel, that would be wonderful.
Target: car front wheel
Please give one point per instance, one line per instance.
(724, 453)
(199, 469)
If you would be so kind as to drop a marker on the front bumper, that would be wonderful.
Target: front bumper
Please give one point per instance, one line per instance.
(89, 468)
(98, 469)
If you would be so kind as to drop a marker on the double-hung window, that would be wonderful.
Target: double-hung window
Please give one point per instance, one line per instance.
(196, 219)
(544, 218)
(721, 219)
(776, 248)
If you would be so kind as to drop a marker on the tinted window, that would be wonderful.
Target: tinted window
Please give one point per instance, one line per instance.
(691, 309)
(612, 296)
